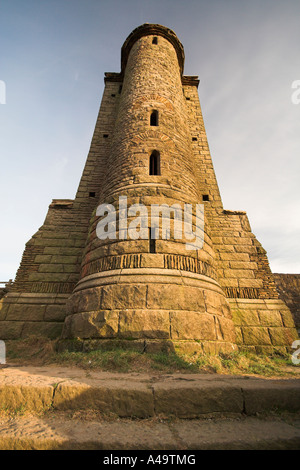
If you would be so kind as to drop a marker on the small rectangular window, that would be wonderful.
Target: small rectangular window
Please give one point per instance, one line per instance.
(105, 136)
(92, 194)
(205, 197)
(154, 118)
(154, 163)
(152, 243)
(154, 40)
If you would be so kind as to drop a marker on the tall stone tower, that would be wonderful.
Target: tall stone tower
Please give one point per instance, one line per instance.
(149, 149)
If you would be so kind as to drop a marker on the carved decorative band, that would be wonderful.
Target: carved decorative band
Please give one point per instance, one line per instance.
(242, 292)
(185, 263)
(49, 287)
(111, 262)
(180, 262)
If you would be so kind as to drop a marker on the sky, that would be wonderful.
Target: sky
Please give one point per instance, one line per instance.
(53, 57)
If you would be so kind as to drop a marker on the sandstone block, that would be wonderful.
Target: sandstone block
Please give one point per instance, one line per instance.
(26, 312)
(245, 317)
(88, 300)
(256, 336)
(225, 329)
(239, 273)
(123, 296)
(152, 260)
(192, 325)
(11, 329)
(287, 318)
(3, 309)
(270, 318)
(144, 324)
(215, 302)
(123, 400)
(50, 330)
(173, 296)
(239, 335)
(55, 313)
(283, 336)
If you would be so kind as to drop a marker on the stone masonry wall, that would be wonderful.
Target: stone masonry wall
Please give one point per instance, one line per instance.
(122, 290)
(51, 262)
(288, 286)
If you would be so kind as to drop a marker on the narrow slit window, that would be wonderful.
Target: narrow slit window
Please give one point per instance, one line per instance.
(154, 118)
(154, 40)
(152, 243)
(154, 163)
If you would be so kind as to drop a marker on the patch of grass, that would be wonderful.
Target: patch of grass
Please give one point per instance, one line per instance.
(32, 350)
(41, 351)
(115, 360)
(246, 363)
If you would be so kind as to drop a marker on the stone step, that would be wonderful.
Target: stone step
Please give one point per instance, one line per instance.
(142, 396)
(55, 432)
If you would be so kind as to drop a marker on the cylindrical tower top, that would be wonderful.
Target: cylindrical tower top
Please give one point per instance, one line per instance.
(148, 29)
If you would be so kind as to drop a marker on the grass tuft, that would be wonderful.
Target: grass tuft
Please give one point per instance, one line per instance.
(41, 351)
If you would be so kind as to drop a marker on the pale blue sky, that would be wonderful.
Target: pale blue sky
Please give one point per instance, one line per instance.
(53, 57)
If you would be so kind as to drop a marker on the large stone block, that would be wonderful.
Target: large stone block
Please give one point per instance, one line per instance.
(287, 318)
(270, 318)
(256, 336)
(188, 325)
(283, 336)
(3, 309)
(101, 324)
(245, 317)
(215, 303)
(123, 296)
(31, 312)
(11, 329)
(50, 330)
(55, 313)
(225, 329)
(171, 296)
(144, 324)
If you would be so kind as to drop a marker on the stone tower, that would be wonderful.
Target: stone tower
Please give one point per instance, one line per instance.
(149, 148)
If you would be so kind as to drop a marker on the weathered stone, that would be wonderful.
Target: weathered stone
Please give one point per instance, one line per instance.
(50, 330)
(119, 399)
(172, 296)
(283, 336)
(189, 400)
(3, 310)
(123, 286)
(192, 325)
(256, 335)
(11, 329)
(245, 317)
(287, 318)
(101, 324)
(123, 296)
(268, 318)
(144, 324)
(55, 313)
(31, 312)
